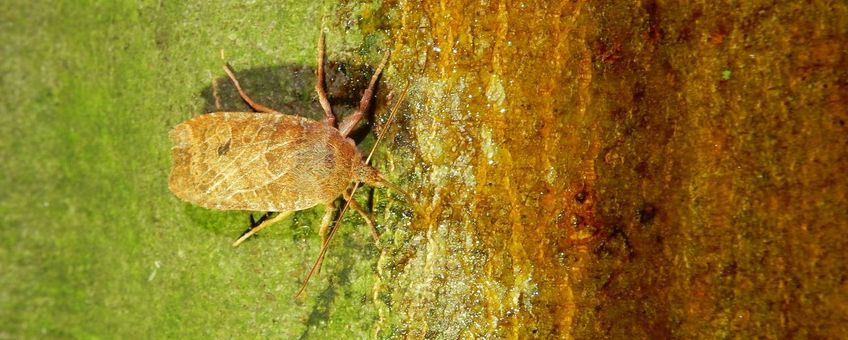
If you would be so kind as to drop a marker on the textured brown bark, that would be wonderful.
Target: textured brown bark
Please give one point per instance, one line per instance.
(619, 169)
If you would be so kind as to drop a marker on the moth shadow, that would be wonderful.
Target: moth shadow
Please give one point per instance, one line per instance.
(290, 89)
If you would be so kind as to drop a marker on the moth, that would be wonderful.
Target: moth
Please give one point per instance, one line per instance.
(273, 162)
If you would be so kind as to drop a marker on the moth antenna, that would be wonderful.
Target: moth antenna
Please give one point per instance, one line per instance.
(326, 243)
(388, 123)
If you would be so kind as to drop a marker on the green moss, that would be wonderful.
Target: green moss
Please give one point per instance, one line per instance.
(93, 243)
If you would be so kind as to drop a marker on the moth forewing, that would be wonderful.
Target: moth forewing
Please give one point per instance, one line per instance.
(259, 162)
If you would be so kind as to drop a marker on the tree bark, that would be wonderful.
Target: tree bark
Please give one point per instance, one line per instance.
(618, 169)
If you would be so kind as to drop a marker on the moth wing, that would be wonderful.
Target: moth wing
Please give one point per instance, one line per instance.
(224, 160)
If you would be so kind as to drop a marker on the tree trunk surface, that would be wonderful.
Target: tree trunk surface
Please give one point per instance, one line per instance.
(617, 169)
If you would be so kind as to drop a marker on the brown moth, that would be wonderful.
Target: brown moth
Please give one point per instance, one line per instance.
(274, 162)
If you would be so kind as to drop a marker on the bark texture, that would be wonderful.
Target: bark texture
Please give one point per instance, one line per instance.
(619, 169)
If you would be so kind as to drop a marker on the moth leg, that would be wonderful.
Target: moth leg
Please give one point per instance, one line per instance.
(373, 178)
(320, 86)
(370, 221)
(254, 223)
(329, 212)
(256, 106)
(261, 226)
(350, 121)
(215, 94)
